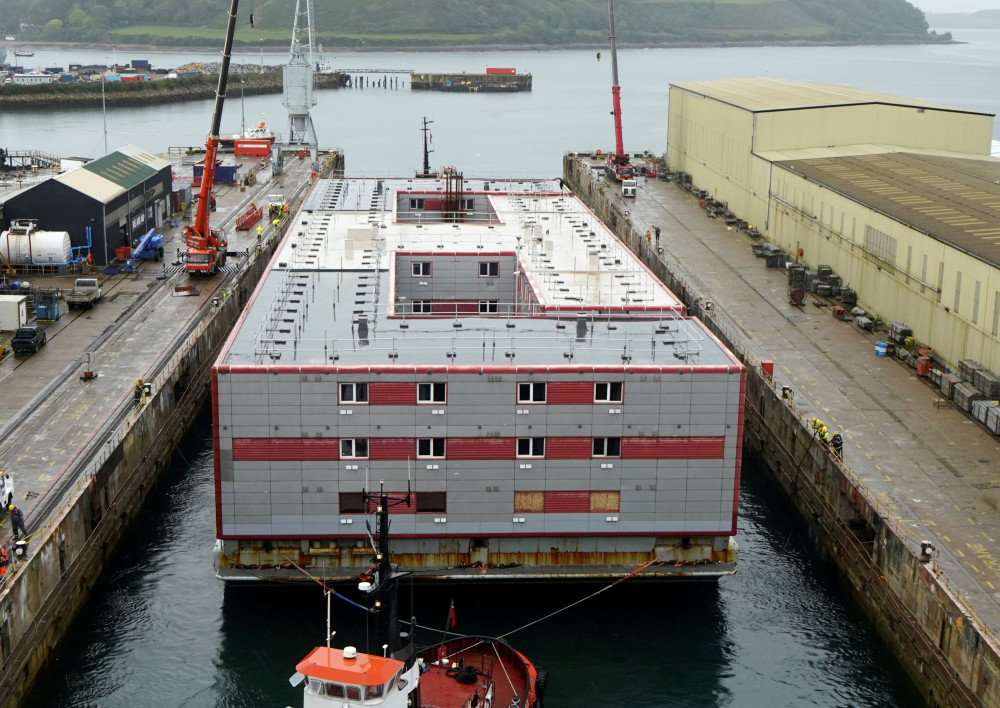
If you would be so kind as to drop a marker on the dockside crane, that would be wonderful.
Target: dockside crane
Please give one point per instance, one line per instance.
(618, 167)
(206, 246)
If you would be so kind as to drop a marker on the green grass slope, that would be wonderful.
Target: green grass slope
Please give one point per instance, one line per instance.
(433, 23)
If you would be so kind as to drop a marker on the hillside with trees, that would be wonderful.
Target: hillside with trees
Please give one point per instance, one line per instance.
(445, 23)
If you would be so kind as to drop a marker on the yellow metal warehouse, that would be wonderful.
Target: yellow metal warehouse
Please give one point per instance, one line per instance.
(900, 197)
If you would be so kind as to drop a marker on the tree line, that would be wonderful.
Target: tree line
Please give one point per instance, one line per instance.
(404, 23)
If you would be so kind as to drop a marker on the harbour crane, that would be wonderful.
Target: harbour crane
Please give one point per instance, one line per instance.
(207, 246)
(618, 167)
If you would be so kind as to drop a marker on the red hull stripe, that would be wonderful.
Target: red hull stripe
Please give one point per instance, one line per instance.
(556, 448)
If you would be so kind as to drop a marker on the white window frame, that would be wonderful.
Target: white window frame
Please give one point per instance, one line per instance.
(536, 447)
(352, 445)
(420, 307)
(420, 269)
(428, 392)
(416, 203)
(429, 453)
(601, 447)
(530, 398)
(609, 396)
(355, 389)
(492, 269)
(489, 307)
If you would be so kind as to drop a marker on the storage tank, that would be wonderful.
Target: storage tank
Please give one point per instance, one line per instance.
(20, 246)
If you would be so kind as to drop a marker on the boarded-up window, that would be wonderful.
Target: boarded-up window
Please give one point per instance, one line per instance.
(352, 503)
(605, 501)
(529, 501)
(432, 501)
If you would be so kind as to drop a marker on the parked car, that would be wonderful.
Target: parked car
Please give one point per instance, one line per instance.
(28, 339)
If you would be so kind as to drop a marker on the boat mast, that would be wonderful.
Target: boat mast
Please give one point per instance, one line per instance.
(386, 607)
(427, 151)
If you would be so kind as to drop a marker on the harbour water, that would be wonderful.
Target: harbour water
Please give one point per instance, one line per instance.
(160, 630)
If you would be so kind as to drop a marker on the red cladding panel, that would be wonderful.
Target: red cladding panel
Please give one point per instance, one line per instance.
(480, 448)
(700, 448)
(392, 448)
(567, 502)
(392, 394)
(268, 449)
(569, 393)
(568, 448)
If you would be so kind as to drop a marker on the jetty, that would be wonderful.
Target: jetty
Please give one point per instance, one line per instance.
(495, 80)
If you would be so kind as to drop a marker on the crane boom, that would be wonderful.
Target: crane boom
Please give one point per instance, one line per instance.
(207, 246)
(616, 98)
(618, 166)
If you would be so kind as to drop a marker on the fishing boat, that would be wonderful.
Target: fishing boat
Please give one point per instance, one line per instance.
(23, 53)
(461, 672)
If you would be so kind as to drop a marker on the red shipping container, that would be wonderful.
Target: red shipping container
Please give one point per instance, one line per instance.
(499, 70)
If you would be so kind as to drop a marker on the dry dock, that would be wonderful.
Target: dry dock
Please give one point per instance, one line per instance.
(83, 455)
(912, 471)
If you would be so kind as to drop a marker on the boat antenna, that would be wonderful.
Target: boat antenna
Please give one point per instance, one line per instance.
(243, 108)
(329, 632)
(427, 152)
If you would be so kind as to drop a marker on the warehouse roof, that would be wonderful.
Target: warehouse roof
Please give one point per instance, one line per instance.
(109, 176)
(953, 199)
(762, 94)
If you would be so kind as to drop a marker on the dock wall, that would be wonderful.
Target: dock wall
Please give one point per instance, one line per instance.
(949, 654)
(470, 82)
(111, 478)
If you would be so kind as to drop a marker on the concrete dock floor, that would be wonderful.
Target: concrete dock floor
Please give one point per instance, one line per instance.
(935, 470)
(50, 416)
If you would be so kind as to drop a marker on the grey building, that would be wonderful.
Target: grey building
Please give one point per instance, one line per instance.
(543, 397)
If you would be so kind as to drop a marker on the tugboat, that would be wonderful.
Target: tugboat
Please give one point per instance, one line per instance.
(462, 672)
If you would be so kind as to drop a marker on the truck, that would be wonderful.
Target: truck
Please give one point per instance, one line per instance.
(28, 339)
(86, 293)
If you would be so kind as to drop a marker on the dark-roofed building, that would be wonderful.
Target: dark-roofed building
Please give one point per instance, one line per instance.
(900, 197)
(106, 203)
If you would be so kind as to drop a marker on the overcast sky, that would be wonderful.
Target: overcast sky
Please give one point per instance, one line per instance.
(956, 5)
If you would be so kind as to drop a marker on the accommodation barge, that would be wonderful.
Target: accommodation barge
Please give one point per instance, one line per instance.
(493, 348)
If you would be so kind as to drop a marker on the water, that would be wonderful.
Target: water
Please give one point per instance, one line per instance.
(160, 630)
(521, 134)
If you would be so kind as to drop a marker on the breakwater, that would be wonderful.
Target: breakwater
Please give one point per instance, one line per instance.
(144, 93)
(932, 629)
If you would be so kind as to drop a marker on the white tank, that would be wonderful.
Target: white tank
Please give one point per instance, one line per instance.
(41, 247)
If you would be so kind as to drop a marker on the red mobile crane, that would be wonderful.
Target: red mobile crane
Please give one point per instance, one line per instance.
(618, 166)
(206, 247)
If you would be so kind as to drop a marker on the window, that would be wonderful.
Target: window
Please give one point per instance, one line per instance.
(607, 447)
(432, 502)
(470, 204)
(416, 203)
(605, 501)
(352, 503)
(354, 393)
(430, 447)
(608, 392)
(422, 307)
(432, 392)
(531, 447)
(529, 501)
(353, 448)
(489, 269)
(531, 393)
(487, 306)
(421, 269)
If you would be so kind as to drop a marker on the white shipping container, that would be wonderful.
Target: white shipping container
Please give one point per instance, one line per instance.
(13, 312)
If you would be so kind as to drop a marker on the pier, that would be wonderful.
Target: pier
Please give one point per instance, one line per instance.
(83, 452)
(912, 472)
